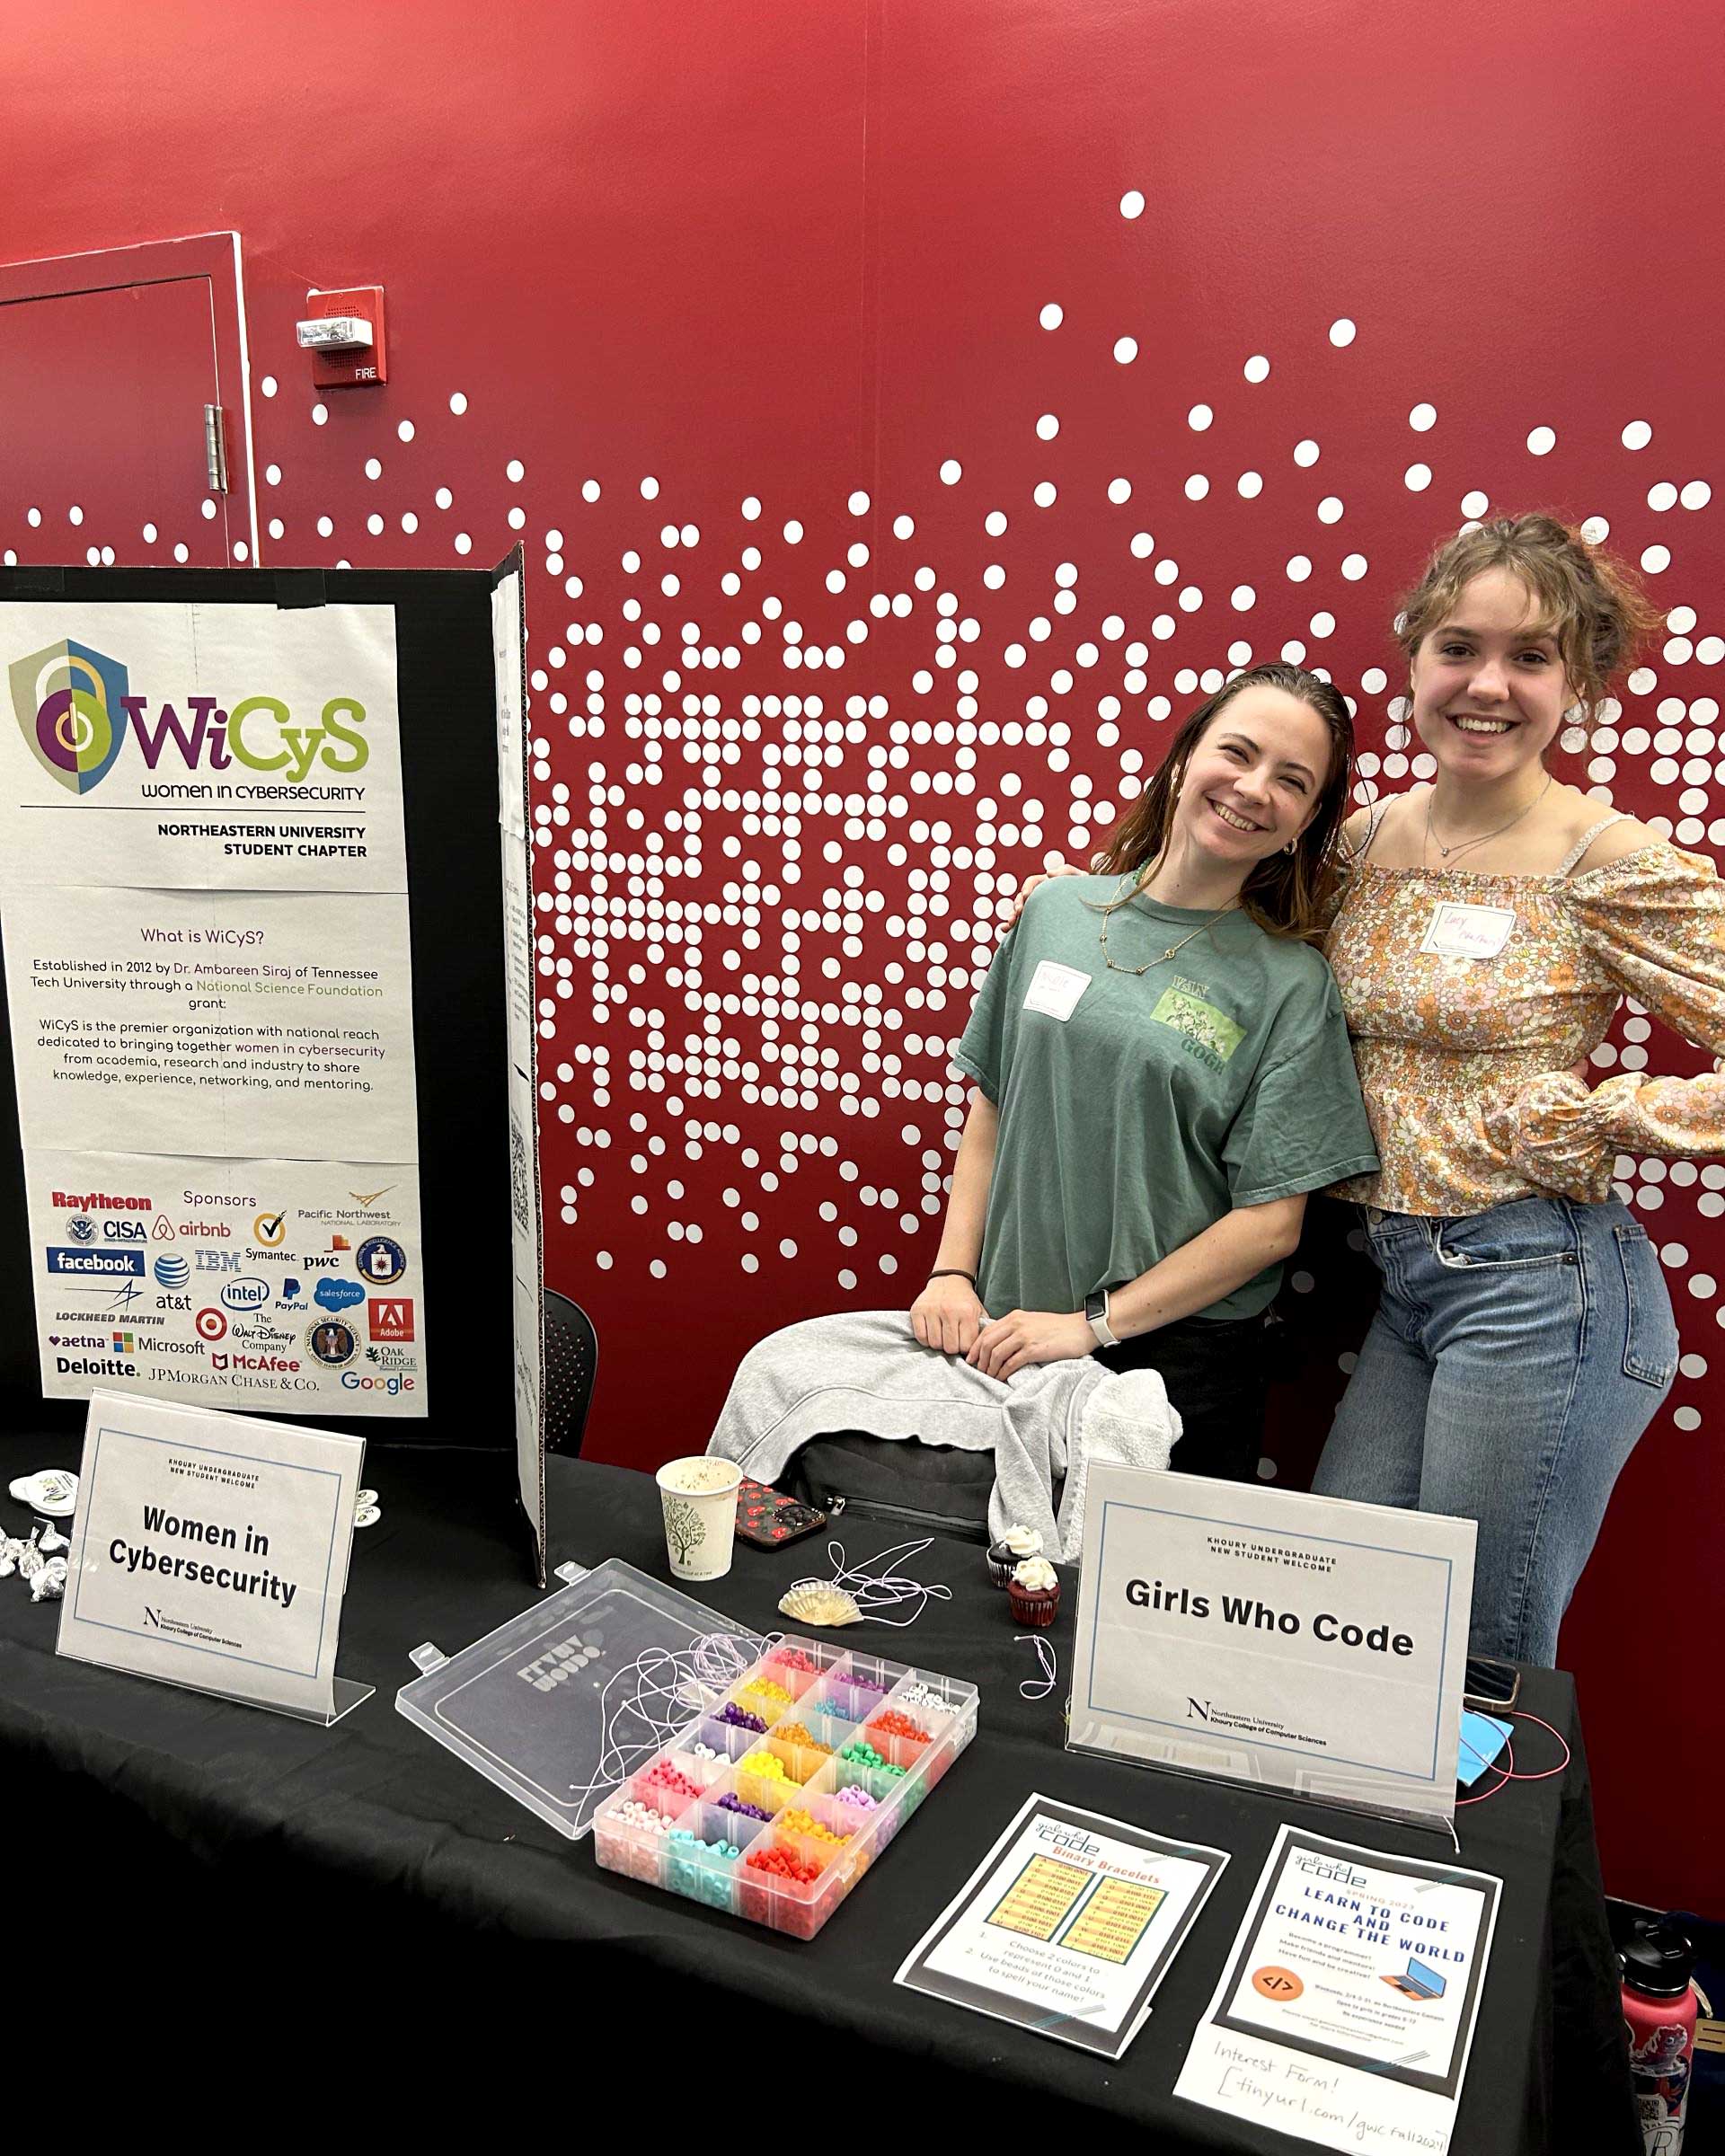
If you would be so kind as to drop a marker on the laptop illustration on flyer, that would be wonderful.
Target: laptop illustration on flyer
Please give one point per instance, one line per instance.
(1418, 1981)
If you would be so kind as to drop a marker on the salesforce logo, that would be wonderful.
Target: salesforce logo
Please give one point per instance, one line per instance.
(338, 1294)
(172, 1271)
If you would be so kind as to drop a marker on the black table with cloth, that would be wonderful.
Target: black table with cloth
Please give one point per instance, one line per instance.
(173, 1799)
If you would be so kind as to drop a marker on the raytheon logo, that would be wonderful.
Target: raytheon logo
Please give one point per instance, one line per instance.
(99, 1201)
(74, 707)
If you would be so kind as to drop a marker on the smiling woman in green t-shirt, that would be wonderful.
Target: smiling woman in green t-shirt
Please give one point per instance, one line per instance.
(1163, 1074)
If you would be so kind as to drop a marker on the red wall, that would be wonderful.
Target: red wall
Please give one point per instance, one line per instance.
(794, 251)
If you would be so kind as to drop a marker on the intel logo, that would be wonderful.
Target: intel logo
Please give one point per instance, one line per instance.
(173, 1272)
(245, 1295)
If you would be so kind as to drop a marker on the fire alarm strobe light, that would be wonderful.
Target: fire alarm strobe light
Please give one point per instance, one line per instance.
(343, 330)
(334, 333)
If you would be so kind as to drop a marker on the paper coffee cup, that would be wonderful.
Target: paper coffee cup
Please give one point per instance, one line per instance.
(699, 1496)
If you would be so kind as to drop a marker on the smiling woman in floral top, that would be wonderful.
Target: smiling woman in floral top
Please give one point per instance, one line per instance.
(1489, 924)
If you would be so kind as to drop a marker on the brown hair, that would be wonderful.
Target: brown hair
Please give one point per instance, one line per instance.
(1285, 893)
(1592, 607)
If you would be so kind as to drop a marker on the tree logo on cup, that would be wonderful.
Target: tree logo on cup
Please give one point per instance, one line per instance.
(684, 1528)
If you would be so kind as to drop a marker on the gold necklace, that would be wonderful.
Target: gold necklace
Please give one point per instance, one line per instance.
(1466, 845)
(1232, 906)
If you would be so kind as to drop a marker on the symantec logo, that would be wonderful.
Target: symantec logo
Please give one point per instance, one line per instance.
(99, 1201)
(76, 709)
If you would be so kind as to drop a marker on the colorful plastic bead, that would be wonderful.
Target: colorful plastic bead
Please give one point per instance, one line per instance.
(794, 1658)
(764, 1688)
(731, 1802)
(669, 1783)
(799, 1821)
(767, 1766)
(894, 1724)
(783, 1862)
(858, 1796)
(740, 1718)
(793, 1733)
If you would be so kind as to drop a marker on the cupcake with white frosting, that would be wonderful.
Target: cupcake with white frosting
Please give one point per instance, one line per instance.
(1035, 1591)
(1011, 1551)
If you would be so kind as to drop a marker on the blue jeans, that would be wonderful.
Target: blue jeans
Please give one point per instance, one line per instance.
(1515, 1357)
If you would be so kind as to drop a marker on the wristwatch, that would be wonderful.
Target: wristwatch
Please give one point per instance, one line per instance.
(1096, 1313)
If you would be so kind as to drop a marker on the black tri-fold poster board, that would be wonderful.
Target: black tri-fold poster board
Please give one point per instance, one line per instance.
(266, 909)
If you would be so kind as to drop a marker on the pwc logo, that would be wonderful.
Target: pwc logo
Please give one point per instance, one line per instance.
(75, 709)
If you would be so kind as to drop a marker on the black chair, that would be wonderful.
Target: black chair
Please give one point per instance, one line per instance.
(572, 1359)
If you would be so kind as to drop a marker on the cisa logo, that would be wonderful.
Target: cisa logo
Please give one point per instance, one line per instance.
(75, 707)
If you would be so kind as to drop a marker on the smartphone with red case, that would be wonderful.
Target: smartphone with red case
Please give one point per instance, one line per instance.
(769, 1519)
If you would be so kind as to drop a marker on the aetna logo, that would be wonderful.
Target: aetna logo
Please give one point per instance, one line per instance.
(99, 1201)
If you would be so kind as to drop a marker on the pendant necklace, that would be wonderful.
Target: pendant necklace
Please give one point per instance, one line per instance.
(1466, 845)
(1164, 957)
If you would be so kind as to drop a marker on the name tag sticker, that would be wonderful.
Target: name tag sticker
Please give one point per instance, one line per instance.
(1469, 932)
(1055, 989)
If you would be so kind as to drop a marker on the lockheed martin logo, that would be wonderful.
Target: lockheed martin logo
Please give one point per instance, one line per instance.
(70, 702)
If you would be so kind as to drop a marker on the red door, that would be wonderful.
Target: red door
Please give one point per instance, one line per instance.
(107, 364)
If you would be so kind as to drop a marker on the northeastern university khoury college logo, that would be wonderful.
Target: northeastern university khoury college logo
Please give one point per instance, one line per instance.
(75, 708)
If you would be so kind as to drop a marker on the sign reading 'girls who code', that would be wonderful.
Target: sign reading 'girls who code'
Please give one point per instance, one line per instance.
(1304, 1643)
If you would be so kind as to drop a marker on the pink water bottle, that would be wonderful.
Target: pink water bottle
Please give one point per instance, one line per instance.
(1659, 2012)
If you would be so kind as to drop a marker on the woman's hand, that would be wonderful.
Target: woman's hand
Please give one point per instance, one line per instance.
(948, 1315)
(1031, 1336)
(1031, 883)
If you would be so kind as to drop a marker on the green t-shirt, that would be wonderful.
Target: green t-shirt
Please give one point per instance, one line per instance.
(1156, 1103)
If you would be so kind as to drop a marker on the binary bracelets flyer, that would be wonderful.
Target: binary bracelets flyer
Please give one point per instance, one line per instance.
(1067, 1925)
(1346, 2006)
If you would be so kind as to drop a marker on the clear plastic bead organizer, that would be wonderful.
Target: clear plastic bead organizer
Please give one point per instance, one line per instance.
(777, 1824)
(526, 1705)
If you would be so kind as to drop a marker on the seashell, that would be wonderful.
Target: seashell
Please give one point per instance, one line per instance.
(818, 1601)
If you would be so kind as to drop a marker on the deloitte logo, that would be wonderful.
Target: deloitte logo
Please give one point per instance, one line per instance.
(172, 1271)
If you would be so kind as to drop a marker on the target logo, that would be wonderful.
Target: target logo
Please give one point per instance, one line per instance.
(211, 1325)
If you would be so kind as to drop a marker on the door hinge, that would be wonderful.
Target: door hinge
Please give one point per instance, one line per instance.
(215, 449)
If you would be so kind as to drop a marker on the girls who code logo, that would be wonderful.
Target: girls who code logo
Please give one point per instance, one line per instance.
(74, 709)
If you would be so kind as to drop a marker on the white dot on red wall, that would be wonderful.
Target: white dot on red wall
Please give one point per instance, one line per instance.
(1257, 368)
(1046, 426)
(277, 528)
(410, 522)
(1125, 349)
(1198, 417)
(444, 498)
(858, 505)
(320, 415)
(1132, 203)
(1656, 558)
(1329, 510)
(1197, 486)
(463, 544)
(74, 515)
(269, 385)
(182, 552)
(1686, 1418)
(32, 517)
(149, 535)
(1637, 435)
(325, 527)
(515, 471)
(1052, 315)
(1306, 453)
(1243, 598)
(1354, 568)
(404, 432)
(241, 551)
(1298, 569)
(1475, 503)
(1541, 441)
(1044, 494)
(903, 527)
(273, 474)
(1662, 497)
(649, 489)
(374, 524)
(1249, 485)
(590, 490)
(1342, 333)
(1417, 478)
(458, 404)
(1423, 417)
(1697, 495)
(517, 517)
(793, 532)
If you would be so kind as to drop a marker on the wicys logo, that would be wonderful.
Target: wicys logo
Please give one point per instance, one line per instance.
(74, 707)
(71, 703)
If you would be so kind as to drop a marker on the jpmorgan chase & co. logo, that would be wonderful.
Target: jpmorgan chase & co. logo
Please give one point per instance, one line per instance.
(70, 703)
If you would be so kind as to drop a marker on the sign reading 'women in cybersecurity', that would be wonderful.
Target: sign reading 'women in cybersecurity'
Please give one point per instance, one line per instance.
(203, 896)
(1303, 1642)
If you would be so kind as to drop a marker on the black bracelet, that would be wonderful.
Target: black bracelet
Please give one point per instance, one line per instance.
(953, 1272)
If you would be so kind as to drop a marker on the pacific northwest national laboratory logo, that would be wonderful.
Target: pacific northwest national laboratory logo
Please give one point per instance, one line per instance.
(70, 703)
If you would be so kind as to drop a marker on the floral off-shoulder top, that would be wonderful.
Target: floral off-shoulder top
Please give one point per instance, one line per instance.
(1464, 1061)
